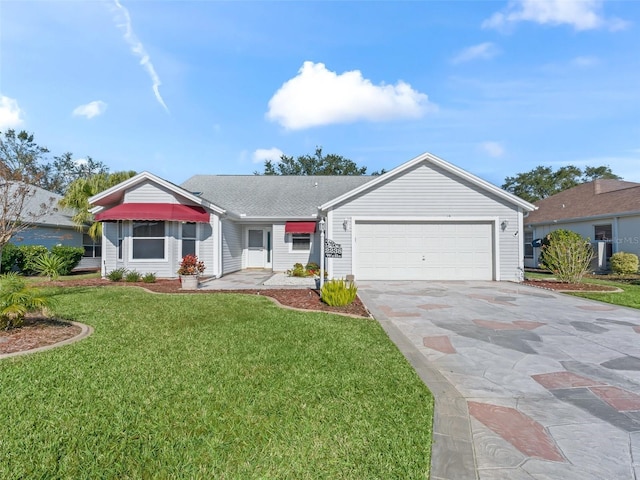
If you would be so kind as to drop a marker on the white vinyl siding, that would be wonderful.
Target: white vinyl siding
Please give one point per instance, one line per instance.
(231, 246)
(424, 251)
(148, 192)
(428, 192)
(284, 257)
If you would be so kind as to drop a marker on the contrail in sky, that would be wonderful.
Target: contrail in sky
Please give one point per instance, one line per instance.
(138, 49)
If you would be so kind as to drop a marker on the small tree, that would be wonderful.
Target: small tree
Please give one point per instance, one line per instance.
(567, 255)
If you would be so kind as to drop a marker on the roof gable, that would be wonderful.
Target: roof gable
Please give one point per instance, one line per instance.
(428, 158)
(116, 193)
(600, 197)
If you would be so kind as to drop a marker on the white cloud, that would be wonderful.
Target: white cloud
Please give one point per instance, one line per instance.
(317, 96)
(585, 62)
(482, 51)
(90, 110)
(262, 154)
(10, 113)
(580, 14)
(493, 149)
(137, 48)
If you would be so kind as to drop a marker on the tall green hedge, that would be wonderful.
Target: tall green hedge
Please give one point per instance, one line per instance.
(24, 257)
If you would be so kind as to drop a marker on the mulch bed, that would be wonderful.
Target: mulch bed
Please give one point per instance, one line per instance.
(39, 332)
(569, 287)
(36, 332)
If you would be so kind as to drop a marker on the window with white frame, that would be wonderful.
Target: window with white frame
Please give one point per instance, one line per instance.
(528, 247)
(148, 240)
(120, 239)
(189, 237)
(300, 242)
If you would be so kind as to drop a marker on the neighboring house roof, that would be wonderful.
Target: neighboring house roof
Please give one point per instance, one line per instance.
(600, 198)
(54, 216)
(273, 196)
(438, 162)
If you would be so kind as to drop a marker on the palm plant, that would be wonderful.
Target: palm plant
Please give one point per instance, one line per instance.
(17, 299)
(49, 265)
(79, 192)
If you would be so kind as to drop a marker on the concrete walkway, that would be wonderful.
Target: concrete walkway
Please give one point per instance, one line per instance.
(256, 279)
(529, 384)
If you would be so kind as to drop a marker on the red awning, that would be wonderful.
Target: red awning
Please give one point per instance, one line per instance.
(300, 227)
(154, 211)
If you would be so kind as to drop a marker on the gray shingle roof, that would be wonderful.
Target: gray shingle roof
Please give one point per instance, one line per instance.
(272, 195)
(56, 215)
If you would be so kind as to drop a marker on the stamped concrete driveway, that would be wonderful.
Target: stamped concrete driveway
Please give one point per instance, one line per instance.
(529, 384)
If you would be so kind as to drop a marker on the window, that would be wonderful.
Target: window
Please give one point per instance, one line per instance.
(604, 233)
(148, 240)
(120, 236)
(300, 242)
(528, 248)
(189, 236)
(92, 248)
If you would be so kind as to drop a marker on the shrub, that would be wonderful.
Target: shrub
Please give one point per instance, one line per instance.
(149, 278)
(132, 276)
(17, 299)
(117, 274)
(48, 265)
(27, 257)
(623, 263)
(297, 271)
(566, 254)
(70, 256)
(10, 254)
(190, 265)
(338, 293)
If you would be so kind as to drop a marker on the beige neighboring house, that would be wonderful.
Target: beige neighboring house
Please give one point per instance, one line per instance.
(605, 211)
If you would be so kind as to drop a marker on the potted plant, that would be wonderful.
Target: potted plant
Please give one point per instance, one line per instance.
(190, 270)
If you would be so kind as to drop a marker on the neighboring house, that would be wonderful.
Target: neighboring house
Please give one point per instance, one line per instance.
(425, 219)
(605, 211)
(56, 227)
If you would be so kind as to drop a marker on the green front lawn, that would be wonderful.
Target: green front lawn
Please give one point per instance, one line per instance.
(629, 297)
(212, 386)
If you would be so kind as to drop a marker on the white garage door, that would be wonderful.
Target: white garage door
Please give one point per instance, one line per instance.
(424, 251)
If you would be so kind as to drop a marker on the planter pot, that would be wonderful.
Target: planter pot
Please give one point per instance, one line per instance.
(189, 282)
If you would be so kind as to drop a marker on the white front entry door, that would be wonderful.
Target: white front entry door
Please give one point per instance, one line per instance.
(259, 247)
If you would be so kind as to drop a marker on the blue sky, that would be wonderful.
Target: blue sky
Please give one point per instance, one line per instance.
(180, 88)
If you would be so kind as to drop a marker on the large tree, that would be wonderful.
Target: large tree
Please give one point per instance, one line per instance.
(317, 164)
(542, 182)
(78, 193)
(20, 170)
(64, 170)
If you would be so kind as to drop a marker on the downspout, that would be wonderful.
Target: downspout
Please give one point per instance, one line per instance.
(219, 247)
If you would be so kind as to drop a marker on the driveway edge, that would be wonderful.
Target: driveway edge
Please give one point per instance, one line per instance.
(452, 456)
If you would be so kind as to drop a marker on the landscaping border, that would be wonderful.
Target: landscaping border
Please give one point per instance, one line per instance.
(85, 331)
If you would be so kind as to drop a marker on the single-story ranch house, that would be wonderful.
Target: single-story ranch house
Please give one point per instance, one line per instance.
(426, 219)
(606, 211)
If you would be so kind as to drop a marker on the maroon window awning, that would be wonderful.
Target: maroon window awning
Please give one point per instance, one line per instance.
(154, 211)
(300, 227)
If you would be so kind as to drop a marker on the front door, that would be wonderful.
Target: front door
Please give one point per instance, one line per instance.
(259, 247)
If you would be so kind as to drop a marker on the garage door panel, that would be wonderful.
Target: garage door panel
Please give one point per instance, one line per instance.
(424, 251)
